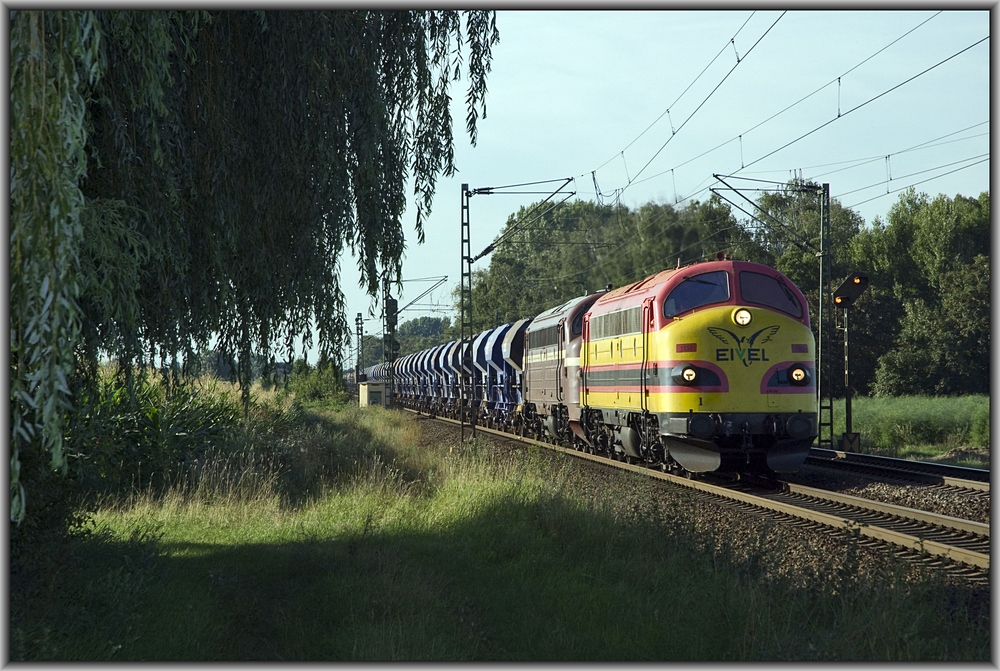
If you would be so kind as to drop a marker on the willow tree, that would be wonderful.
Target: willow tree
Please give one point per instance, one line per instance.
(179, 176)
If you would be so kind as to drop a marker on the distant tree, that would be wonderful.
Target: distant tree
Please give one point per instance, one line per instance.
(372, 351)
(926, 265)
(421, 333)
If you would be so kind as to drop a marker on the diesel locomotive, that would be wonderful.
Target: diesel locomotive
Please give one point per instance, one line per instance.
(706, 367)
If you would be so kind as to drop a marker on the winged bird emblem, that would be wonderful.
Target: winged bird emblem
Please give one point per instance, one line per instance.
(742, 345)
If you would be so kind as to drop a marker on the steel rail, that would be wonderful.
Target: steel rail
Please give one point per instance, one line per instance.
(914, 471)
(891, 509)
(870, 530)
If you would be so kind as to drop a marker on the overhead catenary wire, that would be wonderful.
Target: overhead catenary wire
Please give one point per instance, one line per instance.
(870, 100)
(791, 106)
(636, 178)
(666, 112)
(700, 105)
(908, 186)
(521, 223)
(982, 158)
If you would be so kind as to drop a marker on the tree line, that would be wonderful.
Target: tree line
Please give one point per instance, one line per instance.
(922, 327)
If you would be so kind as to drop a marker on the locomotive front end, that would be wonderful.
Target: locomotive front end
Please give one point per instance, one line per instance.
(734, 370)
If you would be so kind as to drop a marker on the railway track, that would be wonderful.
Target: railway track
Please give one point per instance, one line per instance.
(901, 470)
(958, 546)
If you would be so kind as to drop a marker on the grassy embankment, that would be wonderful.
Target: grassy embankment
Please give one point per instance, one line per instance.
(336, 535)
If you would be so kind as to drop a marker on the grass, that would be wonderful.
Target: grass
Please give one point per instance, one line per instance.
(951, 429)
(341, 536)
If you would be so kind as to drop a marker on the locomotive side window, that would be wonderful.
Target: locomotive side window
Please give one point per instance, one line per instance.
(544, 337)
(769, 291)
(696, 291)
(622, 322)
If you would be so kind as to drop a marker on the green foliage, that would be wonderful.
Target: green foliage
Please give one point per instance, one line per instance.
(888, 425)
(276, 140)
(422, 333)
(54, 59)
(142, 436)
(942, 283)
(791, 245)
(372, 351)
(180, 175)
(322, 382)
(403, 550)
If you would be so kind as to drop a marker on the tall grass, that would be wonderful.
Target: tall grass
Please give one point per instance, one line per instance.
(888, 425)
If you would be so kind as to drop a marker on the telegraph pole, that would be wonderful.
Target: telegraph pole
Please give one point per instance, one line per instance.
(466, 393)
(359, 326)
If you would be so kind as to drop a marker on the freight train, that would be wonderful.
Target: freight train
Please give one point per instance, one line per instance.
(706, 367)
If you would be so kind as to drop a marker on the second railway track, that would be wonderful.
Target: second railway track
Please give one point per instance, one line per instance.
(902, 470)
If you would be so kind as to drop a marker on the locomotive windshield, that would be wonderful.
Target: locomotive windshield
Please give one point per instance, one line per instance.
(769, 291)
(696, 291)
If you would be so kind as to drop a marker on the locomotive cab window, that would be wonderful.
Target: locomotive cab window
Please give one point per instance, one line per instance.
(696, 291)
(769, 291)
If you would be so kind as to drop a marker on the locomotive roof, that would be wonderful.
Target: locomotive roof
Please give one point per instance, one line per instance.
(553, 315)
(642, 287)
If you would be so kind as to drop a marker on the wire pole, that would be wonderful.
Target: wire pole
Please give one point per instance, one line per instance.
(825, 400)
(466, 300)
(359, 328)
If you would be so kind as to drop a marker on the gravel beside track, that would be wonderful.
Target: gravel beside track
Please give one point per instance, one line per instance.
(768, 548)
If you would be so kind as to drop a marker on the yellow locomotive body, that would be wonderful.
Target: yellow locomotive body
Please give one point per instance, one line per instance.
(709, 366)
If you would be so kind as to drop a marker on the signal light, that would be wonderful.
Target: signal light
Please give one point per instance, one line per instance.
(852, 287)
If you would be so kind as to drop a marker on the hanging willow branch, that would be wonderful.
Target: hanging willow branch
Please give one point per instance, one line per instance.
(53, 57)
(217, 166)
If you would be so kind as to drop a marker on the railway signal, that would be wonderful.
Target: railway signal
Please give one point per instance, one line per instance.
(845, 296)
(850, 290)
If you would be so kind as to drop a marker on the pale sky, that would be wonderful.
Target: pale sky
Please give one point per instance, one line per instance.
(574, 92)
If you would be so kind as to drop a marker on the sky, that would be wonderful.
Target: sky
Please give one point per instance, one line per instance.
(649, 105)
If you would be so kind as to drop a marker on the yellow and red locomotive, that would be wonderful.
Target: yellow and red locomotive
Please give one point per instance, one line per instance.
(707, 367)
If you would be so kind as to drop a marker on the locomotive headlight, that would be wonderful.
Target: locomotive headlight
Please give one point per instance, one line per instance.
(798, 376)
(742, 317)
(684, 374)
